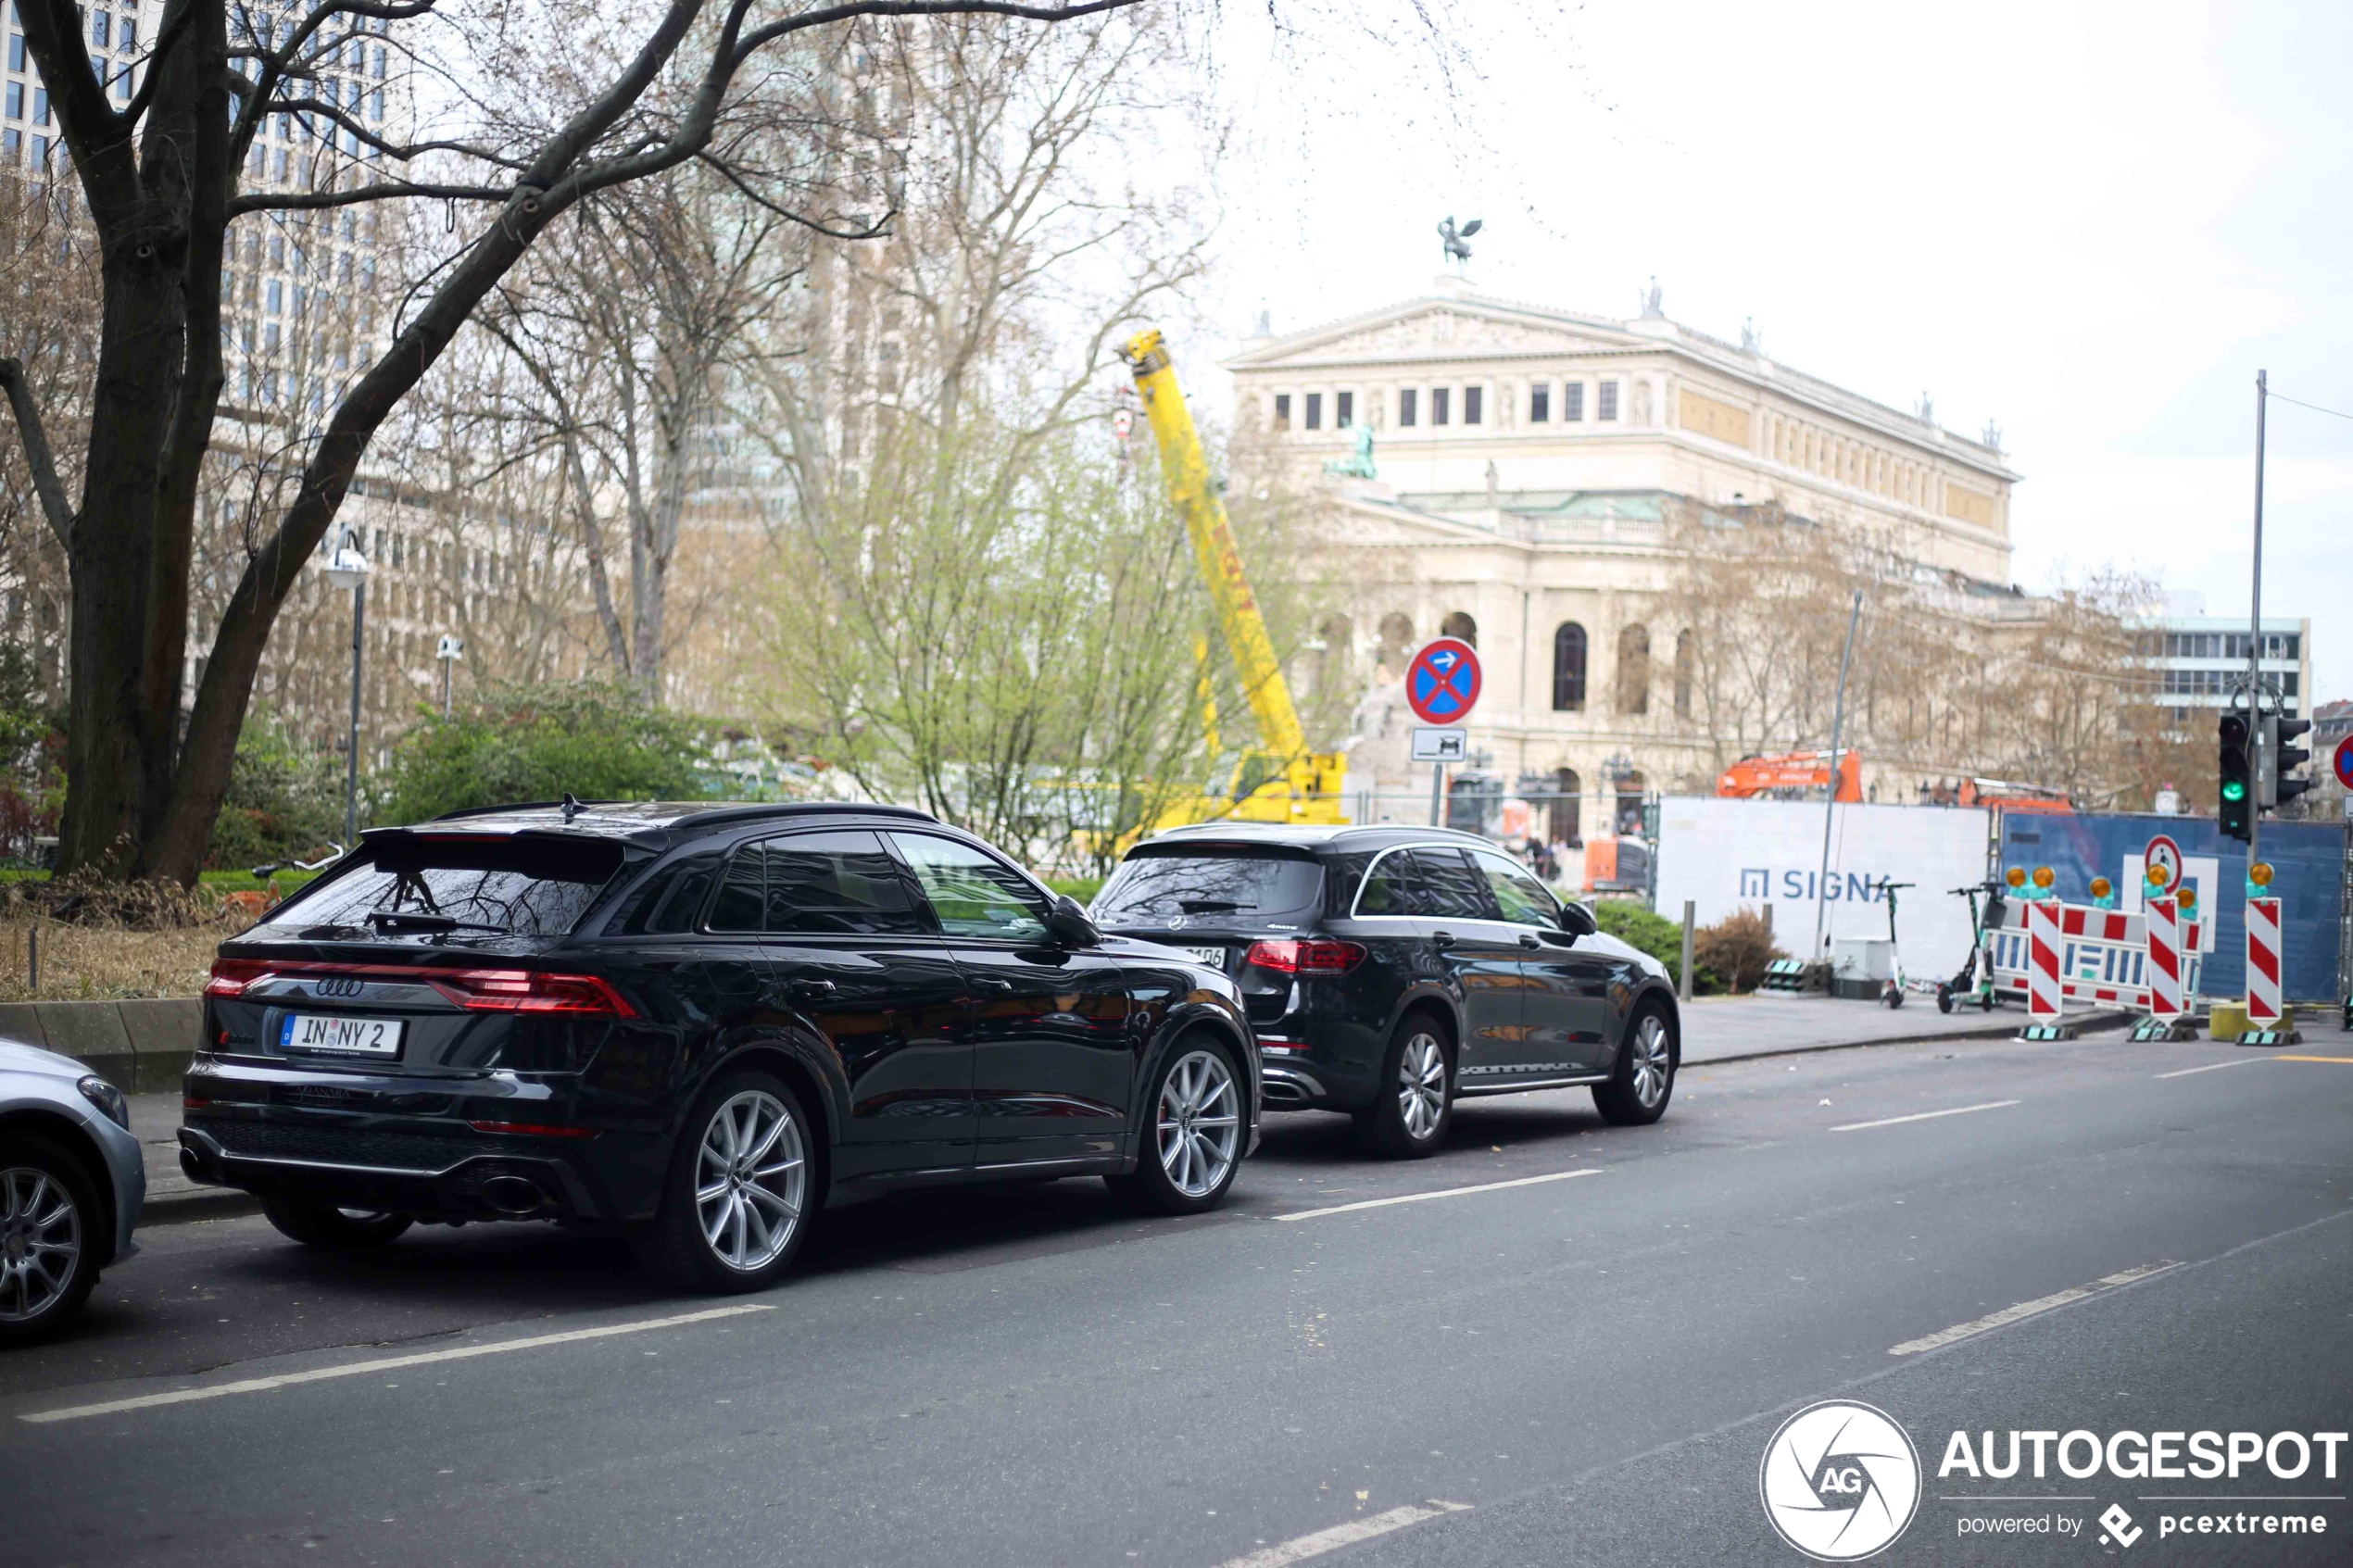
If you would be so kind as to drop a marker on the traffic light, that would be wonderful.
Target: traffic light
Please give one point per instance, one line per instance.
(2237, 811)
(2285, 757)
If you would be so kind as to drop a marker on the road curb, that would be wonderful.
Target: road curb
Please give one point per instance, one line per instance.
(1992, 1031)
(204, 1203)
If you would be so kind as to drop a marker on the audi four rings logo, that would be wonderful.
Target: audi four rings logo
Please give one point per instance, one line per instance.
(1840, 1481)
(340, 986)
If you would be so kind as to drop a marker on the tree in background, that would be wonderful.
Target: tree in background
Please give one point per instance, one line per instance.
(161, 175)
(285, 801)
(593, 740)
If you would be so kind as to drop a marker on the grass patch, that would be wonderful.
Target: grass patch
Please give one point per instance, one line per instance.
(91, 964)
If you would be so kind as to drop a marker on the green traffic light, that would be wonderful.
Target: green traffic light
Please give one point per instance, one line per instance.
(2234, 790)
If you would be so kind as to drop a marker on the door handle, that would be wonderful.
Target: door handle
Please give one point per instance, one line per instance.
(809, 990)
(1528, 939)
(991, 982)
(1442, 939)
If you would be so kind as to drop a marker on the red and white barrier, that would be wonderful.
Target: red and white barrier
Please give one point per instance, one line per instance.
(2042, 922)
(2164, 967)
(2262, 961)
(2104, 955)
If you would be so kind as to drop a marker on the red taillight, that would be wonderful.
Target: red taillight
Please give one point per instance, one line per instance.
(231, 976)
(521, 990)
(191, 1102)
(481, 990)
(1291, 957)
(533, 1129)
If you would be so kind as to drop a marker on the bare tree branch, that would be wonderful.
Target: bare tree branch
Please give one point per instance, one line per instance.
(43, 463)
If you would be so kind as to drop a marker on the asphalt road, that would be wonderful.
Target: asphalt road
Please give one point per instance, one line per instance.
(1583, 1367)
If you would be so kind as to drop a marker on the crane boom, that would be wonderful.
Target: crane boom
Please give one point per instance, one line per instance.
(1186, 468)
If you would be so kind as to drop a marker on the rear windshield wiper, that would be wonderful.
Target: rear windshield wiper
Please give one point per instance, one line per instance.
(411, 920)
(1209, 906)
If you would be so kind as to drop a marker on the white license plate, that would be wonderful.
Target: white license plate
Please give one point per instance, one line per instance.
(1214, 957)
(342, 1034)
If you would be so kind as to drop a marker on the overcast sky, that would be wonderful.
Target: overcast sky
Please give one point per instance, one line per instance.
(2091, 222)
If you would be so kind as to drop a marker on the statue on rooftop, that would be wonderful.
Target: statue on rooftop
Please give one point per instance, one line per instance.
(1457, 241)
(1361, 465)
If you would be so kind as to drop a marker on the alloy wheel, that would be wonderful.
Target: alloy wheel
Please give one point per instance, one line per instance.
(1421, 1085)
(751, 1177)
(40, 1242)
(1200, 1124)
(1652, 1063)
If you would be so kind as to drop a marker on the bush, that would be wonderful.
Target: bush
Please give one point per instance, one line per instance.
(586, 739)
(1661, 938)
(284, 801)
(1737, 948)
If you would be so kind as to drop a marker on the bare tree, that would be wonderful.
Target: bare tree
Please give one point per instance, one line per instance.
(164, 177)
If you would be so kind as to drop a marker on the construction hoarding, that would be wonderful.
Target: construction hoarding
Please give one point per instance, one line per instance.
(1730, 854)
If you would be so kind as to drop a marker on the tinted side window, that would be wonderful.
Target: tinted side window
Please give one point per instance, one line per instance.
(1523, 900)
(1450, 888)
(837, 883)
(742, 891)
(1388, 887)
(973, 894)
(672, 900)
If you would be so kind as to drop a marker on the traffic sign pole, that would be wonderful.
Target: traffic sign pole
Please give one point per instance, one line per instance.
(1442, 686)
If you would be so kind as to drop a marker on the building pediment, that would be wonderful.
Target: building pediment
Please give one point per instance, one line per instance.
(1435, 329)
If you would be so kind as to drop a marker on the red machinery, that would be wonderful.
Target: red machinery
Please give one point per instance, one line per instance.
(1792, 775)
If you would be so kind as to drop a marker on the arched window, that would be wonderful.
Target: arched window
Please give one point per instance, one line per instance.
(1336, 662)
(1460, 625)
(1683, 672)
(1568, 669)
(1634, 669)
(1564, 805)
(1396, 642)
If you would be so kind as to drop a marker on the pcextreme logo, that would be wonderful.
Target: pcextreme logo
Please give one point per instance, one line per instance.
(1840, 1481)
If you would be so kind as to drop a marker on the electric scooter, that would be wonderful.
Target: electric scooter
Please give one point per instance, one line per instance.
(1892, 992)
(1975, 981)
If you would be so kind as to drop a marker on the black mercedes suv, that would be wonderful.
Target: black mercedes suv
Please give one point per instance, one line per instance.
(1390, 970)
(695, 1025)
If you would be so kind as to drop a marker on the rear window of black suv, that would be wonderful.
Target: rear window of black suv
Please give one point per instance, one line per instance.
(1153, 887)
(410, 883)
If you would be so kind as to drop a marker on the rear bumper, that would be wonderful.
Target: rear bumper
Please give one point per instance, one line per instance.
(473, 1180)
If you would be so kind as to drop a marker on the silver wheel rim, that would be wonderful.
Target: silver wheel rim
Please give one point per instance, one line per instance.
(751, 1175)
(1421, 1085)
(40, 1242)
(1652, 1064)
(1201, 1123)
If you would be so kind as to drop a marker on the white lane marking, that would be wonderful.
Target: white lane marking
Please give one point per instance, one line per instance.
(1300, 1548)
(1442, 1192)
(2028, 1309)
(2214, 1066)
(1926, 1115)
(358, 1368)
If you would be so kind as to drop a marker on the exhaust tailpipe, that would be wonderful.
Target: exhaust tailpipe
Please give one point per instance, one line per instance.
(513, 1195)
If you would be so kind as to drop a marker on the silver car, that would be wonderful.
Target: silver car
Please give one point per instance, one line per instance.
(71, 1183)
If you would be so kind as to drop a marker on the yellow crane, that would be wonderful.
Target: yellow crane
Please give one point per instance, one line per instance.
(1281, 781)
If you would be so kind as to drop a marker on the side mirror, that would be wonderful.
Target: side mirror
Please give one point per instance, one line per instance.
(1578, 920)
(1069, 926)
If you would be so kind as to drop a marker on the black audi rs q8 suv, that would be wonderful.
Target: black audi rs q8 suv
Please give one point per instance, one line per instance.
(696, 1025)
(1390, 970)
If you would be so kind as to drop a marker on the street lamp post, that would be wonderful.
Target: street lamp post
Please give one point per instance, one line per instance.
(349, 569)
(451, 652)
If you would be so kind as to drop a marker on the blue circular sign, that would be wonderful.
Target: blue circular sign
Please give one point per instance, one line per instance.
(1443, 681)
(2345, 762)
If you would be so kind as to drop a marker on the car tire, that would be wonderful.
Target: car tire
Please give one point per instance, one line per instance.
(1195, 1134)
(1643, 1080)
(740, 1192)
(50, 1235)
(1415, 1107)
(334, 1230)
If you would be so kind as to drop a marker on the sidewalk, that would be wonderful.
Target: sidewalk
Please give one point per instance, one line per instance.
(1731, 1028)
